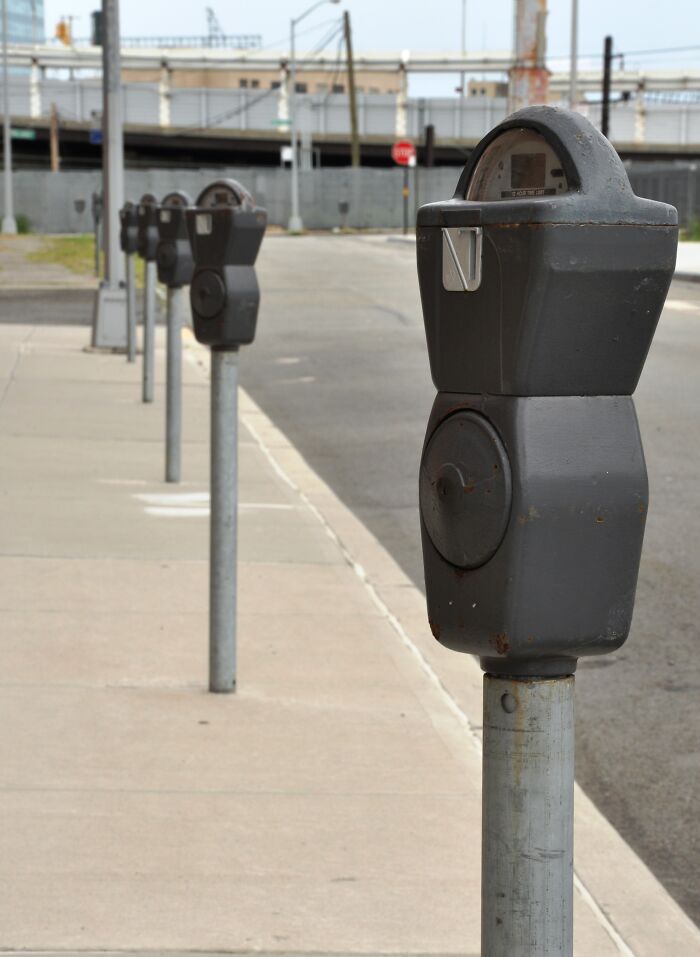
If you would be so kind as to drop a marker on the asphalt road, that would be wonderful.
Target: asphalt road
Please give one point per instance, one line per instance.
(340, 365)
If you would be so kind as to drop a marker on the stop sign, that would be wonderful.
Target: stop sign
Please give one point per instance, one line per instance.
(403, 153)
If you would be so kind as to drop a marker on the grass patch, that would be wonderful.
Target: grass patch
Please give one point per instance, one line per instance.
(691, 233)
(76, 253)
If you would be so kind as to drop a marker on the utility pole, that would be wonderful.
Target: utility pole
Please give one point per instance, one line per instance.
(528, 77)
(53, 139)
(607, 70)
(9, 223)
(463, 75)
(109, 316)
(354, 136)
(573, 69)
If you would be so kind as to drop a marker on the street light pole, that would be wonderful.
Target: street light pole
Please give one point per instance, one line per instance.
(573, 72)
(464, 45)
(296, 224)
(9, 223)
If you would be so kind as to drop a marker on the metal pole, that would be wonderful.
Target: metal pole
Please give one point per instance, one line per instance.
(223, 520)
(527, 837)
(573, 69)
(405, 192)
(173, 388)
(97, 246)
(109, 324)
(9, 223)
(130, 308)
(463, 75)
(149, 329)
(295, 222)
(607, 68)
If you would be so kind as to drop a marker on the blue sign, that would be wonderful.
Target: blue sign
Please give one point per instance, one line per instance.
(96, 137)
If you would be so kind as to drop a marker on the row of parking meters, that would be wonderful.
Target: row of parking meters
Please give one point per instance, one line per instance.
(211, 246)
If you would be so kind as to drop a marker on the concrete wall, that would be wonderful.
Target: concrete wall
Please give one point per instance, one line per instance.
(374, 195)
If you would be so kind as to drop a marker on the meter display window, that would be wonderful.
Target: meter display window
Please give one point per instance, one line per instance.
(519, 164)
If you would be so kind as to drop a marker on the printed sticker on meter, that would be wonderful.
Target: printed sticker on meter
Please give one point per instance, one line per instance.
(516, 165)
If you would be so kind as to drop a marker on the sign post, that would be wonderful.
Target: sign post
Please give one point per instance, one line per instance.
(404, 154)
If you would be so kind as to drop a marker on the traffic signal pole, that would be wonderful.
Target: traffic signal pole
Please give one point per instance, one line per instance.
(109, 325)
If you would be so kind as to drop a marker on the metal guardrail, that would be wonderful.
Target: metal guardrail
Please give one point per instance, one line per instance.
(241, 41)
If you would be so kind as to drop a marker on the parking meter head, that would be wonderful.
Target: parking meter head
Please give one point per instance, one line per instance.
(542, 281)
(96, 206)
(544, 274)
(226, 229)
(129, 229)
(147, 218)
(174, 254)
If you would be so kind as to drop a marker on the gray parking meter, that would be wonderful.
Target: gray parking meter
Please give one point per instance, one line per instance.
(173, 252)
(96, 209)
(175, 266)
(147, 245)
(128, 240)
(542, 281)
(226, 229)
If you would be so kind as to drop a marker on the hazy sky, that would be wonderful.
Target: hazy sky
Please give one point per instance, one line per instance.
(433, 25)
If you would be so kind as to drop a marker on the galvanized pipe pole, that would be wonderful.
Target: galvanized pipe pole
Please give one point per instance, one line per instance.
(528, 819)
(573, 68)
(149, 329)
(109, 326)
(9, 223)
(173, 386)
(130, 308)
(223, 520)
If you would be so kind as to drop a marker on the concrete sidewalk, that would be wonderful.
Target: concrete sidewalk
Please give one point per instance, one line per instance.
(332, 805)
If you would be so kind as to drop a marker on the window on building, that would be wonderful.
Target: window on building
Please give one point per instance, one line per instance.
(255, 84)
(338, 88)
(301, 87)
(275, 85)
(243, 84)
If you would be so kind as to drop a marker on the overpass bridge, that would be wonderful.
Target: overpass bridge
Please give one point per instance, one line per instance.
(654, 113)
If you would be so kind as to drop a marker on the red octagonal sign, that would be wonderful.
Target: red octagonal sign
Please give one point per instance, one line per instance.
(403, 152)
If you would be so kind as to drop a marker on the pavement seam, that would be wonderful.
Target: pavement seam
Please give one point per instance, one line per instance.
(196, 353)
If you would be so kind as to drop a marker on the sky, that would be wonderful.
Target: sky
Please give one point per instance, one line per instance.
(396, 25)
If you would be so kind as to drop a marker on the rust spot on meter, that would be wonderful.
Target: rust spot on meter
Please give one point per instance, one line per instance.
(599, 520)
(435, 628)
(501, 643)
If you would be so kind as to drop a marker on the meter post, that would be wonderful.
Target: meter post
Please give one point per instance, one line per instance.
(128, 240)
(226, 229)
(147, 218)
(533, 487)
(96, 217)
(175, 266)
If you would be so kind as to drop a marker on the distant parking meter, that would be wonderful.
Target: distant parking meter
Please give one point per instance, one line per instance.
(175, 266)
(147, 246)
(96, 209)
(542, 281)
(226, 229)
(128, 240)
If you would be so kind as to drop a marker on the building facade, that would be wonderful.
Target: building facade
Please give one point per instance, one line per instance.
(25, 21)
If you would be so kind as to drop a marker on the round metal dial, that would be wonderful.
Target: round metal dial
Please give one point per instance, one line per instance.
(519, 164)
(208, 293)
(465, 489)
(177, 198)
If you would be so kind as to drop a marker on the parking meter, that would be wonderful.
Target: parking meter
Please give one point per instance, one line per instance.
(542, 281)
(226, 229)
(147, 246)
(173, 252)
(129, 229)
(175, 266)
(128, 240)
(96, 209)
